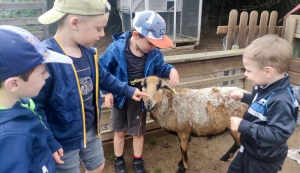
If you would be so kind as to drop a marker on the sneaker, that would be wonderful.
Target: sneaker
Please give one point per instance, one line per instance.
(120, 166)
(138, 166)
(294, 154)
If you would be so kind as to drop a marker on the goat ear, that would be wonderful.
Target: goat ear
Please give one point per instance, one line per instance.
(166, 86)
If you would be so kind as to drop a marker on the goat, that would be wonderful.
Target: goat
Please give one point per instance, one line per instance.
(200, 112)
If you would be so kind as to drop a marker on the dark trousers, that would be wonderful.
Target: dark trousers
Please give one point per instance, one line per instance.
(245, 163)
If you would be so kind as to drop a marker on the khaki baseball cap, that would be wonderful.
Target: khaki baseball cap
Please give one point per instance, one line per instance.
(80, 7)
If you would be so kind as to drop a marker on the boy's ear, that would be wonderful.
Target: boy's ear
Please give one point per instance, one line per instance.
(135, 34)
(269, 71)
(11, 84)
(73, 23)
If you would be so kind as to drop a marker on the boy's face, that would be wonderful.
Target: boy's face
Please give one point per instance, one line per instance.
(255, 74)
(90, 29)
(144, 45)
(35, 82)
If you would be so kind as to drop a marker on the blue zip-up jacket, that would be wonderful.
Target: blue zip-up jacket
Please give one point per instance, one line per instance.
(23, 140)
(269, 121)
(60, 102)
(113, 60)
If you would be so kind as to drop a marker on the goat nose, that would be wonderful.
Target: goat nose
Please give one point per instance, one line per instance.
(148, 104)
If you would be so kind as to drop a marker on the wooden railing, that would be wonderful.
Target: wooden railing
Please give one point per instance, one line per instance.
(29, 23)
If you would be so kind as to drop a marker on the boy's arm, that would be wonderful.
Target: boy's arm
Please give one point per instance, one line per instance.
(15, 153)
(280, 125)
(162, 69)
(40, 101)
(111, 84)
(247, 98)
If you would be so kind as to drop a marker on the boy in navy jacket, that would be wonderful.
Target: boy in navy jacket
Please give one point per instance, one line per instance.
(24, 138)
(70, 101)
(271, 117)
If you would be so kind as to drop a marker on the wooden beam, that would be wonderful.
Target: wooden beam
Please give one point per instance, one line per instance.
(20, 5)
(19, 21)
(224, 29)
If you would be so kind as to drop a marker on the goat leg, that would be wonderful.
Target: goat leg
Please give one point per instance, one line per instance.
(230, 152)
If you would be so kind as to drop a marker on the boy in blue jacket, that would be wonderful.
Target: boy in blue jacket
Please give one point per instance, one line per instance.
(271, 117)
(134, 55)
(24, 139)
(71, 99)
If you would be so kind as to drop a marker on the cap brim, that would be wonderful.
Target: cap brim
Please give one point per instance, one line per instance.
(54, 57)
(166, 42)
(50, 16)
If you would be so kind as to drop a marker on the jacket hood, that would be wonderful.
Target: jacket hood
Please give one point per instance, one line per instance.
(121, 36)
(17, 111)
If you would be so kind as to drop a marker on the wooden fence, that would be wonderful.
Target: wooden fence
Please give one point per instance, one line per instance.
(29, 23)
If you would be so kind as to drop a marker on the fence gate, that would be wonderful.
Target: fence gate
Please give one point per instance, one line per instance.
(11, 15)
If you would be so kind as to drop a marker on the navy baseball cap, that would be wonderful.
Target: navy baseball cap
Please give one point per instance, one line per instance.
(21, 52)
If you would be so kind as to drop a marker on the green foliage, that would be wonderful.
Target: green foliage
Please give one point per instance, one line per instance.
(157, 170)
(113, 28)
(152, 141)
(18, 13)
(112, 156)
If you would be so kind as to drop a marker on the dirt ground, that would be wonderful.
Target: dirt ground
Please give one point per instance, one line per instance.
(203, 154)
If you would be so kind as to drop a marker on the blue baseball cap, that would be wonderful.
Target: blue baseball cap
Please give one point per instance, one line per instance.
(21, 52)
(151, 25)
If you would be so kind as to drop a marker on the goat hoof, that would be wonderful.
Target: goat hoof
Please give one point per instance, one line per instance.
(224, 158)
(181, 169)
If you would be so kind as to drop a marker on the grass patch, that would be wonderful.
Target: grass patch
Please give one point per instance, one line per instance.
(157, 170)
(152, 141)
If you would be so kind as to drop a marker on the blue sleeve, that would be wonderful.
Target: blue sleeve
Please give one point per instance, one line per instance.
(110, 83)
(247, 98)
(15, 153)
(40, 101)
(161, 68)
(280, 124)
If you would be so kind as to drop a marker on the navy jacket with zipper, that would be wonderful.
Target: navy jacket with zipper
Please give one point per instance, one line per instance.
(23, 141)
(60, 102)
(113, 60)
(269, 121)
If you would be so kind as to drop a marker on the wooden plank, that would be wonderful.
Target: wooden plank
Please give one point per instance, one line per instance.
(243, 29)
(295, 77)
(19, 21)
(283, 27)
(196, 68)
(38, 34)
(272, 22)
(224, 29)
(210, 81)
(20, 5)
(295, 65)
(33, 28)
(290, 29)
(252, 27)
(46, 27)
(233, 15)
(263, 24)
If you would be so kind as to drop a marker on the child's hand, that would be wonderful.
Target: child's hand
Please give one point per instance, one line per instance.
(235, 123)
(109, 100)
(138, 95)
(57, 155)
(174, 78)
(237, 95)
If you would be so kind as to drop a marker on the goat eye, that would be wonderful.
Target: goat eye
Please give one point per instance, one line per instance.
(142, 86)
